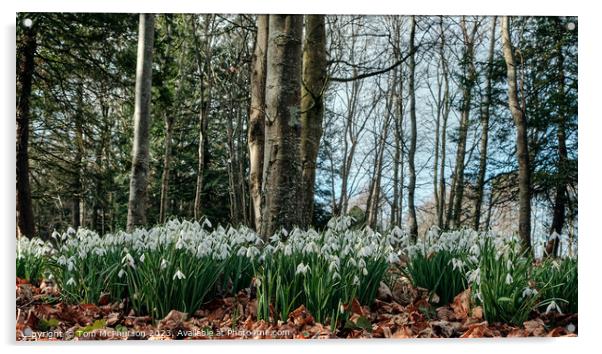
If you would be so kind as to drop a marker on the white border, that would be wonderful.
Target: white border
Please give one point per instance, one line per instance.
(589, 155)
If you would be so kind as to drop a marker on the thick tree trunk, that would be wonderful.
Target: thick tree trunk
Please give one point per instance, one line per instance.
(412, 222)
(26, 48)
(484, 131)
(282, 165)
(142, 118)
(560, 199)
(312, 107)
(256, 129)
(522, 152)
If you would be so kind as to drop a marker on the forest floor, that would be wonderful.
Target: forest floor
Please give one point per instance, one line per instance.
(403, 312)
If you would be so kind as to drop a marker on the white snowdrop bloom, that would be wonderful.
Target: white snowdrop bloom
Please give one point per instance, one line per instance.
(352, 262)
(71, 281)
(55, 235)
(553, 306)
(529, 291)
(509, 279)
(361, 263)
(207, 223)
(121, 273)
(179, 275)
(258, 282)
(180, 244)
(71, 231)
(70, 265)
(129, 260)
(275, 238)
(62, 260)
(333, 267)
(509, 264)
(356, 280)
(475, 276)
(336, 276)
(142, 258)
(288, 250)
(302, 268)
(164, 264)
(241, 251)
(252, 252)
(457, 264)
(364, 271)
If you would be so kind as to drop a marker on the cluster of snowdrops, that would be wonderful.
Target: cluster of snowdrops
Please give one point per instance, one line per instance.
(181, 265)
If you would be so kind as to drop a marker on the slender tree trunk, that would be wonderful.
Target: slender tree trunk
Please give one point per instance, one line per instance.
(26, 49)
(312, 107)
(446, 109)
(560, 199)
(282, 165)
(256, 130)
(166, 167)
(470, 76)
(412, 222)
(79, 154)
(522, 150)
(484, 131)
(142, 118)
(205, 88)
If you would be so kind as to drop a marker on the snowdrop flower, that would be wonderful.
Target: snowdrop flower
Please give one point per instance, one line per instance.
(288, 250)
(252, 252)
(457, 264)
(361, 263)
(121, 273)
(553, 306)
(164, 264)
(392, 258)
(142, 258)
(55, 235)
(529, 291)
(71, 281)
(509, 279)
(336, 276)
(70, 265)
(62, 260)
(475, 276)
(365, 271)
(179, 275)
(129, 260)
(241, 251)
(356, 280)
(302, 268)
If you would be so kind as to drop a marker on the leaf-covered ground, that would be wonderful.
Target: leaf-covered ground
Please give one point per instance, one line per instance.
(403, 312)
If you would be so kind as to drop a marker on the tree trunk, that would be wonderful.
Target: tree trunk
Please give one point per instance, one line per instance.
(205, 89)
(142, 118)
(445, 115)
(522, 151)
(412, 222)
(166, 167)
(312, 108)
(470, 76)
(484, 131)
(26, 48)
(79, 154)
(257, 116)
(282, 165)
(560, 199)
